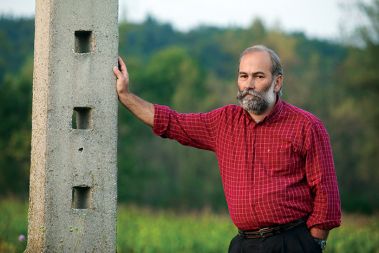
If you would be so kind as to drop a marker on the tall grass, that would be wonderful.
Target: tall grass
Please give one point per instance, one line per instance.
(146, 230)
(151, 231)
(357, 234)
(13, 225)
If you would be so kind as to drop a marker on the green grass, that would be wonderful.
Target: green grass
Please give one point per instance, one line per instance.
(358, 234)
(146, 230)
(13, 223)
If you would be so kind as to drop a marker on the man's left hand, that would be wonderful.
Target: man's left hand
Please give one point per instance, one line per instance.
(319, 233)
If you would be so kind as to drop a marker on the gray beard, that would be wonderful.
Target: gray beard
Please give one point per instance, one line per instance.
(256, 104)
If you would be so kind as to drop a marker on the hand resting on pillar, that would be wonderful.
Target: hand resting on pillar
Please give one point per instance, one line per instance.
(142, 109)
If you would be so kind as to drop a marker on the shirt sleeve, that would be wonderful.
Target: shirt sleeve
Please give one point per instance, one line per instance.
(322, 179)
(198, 130)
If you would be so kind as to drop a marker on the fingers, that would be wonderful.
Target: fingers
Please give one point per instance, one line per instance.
(117, 72)
(121, 71)
(122, 65)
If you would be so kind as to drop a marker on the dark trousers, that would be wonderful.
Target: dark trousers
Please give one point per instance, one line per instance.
(295, 240)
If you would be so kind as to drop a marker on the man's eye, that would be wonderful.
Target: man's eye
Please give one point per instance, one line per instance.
(243, 76)
(260, 77)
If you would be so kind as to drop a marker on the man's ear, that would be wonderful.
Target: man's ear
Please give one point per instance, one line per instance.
(278, 83)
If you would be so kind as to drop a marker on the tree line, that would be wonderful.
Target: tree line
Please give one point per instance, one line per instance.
(196, 71)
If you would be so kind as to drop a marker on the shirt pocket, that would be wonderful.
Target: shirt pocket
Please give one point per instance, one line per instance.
(281, 158)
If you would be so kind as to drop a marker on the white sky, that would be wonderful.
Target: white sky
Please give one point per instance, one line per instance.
(317, 18)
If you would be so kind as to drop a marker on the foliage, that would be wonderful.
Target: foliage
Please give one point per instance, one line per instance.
(355, 108)
(144, 230)
(15, 131)
(16, 43)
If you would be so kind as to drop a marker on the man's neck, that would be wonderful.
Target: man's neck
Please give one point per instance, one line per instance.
(258, 118)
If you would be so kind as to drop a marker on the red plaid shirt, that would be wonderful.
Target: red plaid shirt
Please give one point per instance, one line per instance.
(273, 172)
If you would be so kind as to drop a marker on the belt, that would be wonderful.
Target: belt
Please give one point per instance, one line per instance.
(269, 231)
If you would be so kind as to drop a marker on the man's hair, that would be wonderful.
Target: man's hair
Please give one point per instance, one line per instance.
(276, 68)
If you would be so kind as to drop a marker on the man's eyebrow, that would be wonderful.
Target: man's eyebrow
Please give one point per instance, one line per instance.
(254, 73)
(259, 73)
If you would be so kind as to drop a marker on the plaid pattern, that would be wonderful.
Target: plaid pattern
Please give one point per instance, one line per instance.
(273, 172)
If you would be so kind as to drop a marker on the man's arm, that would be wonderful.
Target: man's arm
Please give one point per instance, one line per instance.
(191, 129)
(142, 109)
(322, 179)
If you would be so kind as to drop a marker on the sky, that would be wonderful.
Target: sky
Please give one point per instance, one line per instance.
(316, 18)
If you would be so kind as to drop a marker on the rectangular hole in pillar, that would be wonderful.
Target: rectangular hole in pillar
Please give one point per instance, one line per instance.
(82, 118)
(81, 197)
(83, 42)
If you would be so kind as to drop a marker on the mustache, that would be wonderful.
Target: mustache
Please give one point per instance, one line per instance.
(248, 91)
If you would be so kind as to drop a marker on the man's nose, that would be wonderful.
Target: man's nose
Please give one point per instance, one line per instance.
(251, 83)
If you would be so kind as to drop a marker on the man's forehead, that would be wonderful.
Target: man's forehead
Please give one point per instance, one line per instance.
(260, 61)
(261, 56)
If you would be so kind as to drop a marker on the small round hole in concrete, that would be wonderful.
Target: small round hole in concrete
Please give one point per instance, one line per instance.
(80, 149)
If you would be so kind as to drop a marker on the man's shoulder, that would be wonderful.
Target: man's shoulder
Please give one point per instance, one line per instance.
(232, 111)
(231, 108)
(301, 115)
(228, 114)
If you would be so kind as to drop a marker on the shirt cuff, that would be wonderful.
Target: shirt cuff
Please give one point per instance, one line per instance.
(325, 225)
(161, 119)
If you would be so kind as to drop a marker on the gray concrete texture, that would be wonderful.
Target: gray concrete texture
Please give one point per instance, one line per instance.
(73, 189)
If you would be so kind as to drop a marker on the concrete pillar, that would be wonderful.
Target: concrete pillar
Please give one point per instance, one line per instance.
(73, 190)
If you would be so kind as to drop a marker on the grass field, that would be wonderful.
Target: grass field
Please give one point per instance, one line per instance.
(192, 232)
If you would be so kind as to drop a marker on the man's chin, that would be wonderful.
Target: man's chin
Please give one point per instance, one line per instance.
(255, 109)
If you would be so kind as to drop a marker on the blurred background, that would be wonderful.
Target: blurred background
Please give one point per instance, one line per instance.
(185, 54)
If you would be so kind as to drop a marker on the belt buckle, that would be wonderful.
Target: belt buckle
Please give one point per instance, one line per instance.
(264, 231)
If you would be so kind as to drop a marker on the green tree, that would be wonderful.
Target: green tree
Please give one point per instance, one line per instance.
(15, 112)
(357, 110)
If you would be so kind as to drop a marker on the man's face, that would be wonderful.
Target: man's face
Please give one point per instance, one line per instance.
(257, 87)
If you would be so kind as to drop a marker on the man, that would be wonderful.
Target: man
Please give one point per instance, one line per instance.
(275, 159)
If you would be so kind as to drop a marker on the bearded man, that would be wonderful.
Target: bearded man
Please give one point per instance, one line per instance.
(275, 159)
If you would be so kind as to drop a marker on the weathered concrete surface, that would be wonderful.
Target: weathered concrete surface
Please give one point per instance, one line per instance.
(73, 191)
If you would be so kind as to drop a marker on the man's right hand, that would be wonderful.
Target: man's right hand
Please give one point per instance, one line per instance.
(142, 109)
(122, 76)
